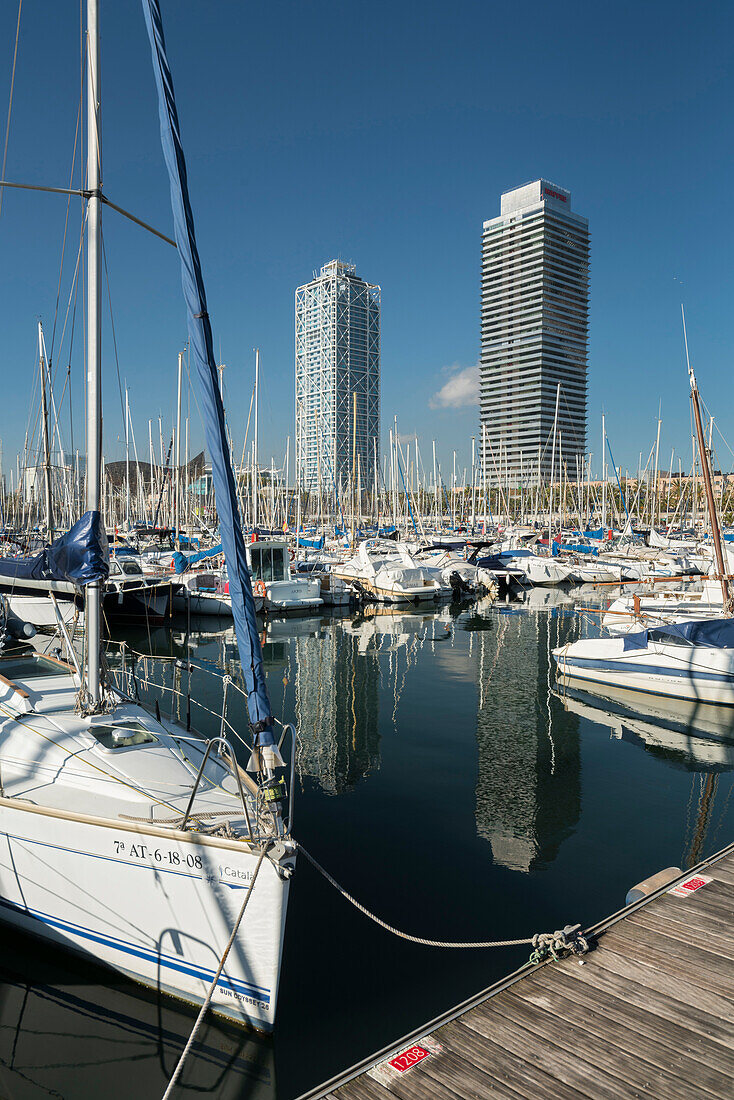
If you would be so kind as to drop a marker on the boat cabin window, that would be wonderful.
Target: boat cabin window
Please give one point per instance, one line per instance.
(121, 735)
(132, 569)
(31, 666)
(268, 563)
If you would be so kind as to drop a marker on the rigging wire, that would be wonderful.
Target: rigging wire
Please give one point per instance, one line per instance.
(10, 102)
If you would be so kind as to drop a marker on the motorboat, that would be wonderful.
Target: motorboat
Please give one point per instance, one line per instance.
(387, 572)
(691, 661)
(273, 580)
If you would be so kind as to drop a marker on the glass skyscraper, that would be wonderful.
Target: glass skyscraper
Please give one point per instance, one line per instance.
(337, 378)
(535, 300)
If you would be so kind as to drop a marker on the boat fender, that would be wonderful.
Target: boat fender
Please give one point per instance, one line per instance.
(18, 628)
(650, 885)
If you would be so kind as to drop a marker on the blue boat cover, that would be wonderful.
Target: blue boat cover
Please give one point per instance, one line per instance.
(712, 633)
(210, 400)
(580, 548)
(181, 562)
(80, 556)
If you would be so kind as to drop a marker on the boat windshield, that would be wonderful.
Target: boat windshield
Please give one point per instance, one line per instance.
(268, 563)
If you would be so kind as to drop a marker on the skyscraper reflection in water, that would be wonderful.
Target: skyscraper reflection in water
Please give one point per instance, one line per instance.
(528, 796)
(337, 686)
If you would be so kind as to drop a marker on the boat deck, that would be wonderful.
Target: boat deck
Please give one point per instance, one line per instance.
(649, 1012)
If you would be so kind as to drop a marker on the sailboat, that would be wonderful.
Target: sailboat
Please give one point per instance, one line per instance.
(692, 660)
(127, 837)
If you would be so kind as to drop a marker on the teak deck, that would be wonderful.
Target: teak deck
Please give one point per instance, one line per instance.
(649, 1013)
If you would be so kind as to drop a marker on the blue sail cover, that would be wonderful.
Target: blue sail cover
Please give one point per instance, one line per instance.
(80, 556)
(212, 411)
(712, 633)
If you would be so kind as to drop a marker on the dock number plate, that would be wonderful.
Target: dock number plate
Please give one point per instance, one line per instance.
(392, 1068)
(409, 1058)
(695, 882)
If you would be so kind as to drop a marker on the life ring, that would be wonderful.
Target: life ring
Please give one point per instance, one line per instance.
(260, 589)
(291, 553)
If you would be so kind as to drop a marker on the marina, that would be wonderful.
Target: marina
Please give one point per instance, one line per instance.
(536, 774)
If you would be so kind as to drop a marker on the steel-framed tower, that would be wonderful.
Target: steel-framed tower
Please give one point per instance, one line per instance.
(534, 326)
(337, 378)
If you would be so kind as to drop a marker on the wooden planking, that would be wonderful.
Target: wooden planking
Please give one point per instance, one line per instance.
(653, 1018)
(649, 1013)
(695, 964)
(657, 1042)
(603, 1053)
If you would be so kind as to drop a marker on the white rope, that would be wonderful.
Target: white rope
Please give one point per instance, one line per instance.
(535, 940)
(207, 1000)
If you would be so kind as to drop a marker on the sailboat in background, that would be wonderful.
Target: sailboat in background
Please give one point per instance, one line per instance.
(691, 660)
(126, 837)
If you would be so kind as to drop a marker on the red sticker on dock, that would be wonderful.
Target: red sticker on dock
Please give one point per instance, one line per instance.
(391, 1069)
(683, 889)
(409, 1058)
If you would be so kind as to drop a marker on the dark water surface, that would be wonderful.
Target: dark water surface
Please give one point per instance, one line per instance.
(440, 781)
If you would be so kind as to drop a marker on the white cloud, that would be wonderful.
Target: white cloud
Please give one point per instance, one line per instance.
(462, 389)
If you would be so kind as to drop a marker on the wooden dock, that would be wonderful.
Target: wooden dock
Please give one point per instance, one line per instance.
(648, 1012)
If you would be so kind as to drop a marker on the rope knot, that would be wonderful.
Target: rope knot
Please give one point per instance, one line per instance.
(558, 944)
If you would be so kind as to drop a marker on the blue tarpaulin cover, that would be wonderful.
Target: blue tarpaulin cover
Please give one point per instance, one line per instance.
(713, 633)
(210, 400)
(181, 562)
(80, 556)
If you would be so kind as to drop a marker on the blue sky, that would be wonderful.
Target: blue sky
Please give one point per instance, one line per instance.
(381, 133)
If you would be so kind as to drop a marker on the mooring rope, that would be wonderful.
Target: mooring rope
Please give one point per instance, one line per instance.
(210, 993)
(543, 943)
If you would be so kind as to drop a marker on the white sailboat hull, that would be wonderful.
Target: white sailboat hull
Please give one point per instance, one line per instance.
(154, 904)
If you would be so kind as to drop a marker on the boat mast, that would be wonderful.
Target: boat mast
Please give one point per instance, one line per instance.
(46, 443)
(706, 471)
(94, 335)
(177, 502)
(255, 479)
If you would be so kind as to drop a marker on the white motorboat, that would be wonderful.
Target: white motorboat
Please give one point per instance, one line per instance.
(691, 661)
(388, 572)
(543, 570)
(272, 579)
(634, 612)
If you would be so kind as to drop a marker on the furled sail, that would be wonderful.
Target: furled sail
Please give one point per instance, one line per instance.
(202, 354)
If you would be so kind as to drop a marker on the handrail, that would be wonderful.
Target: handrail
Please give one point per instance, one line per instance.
(233, 768)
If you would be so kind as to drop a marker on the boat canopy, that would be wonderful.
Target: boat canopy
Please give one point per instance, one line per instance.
(712, 633)
(80, 556)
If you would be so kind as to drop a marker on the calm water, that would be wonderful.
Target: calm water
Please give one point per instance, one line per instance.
(446, 786)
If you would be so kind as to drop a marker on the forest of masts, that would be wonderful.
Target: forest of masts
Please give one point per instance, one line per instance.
(162, 492)
(163, 488)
